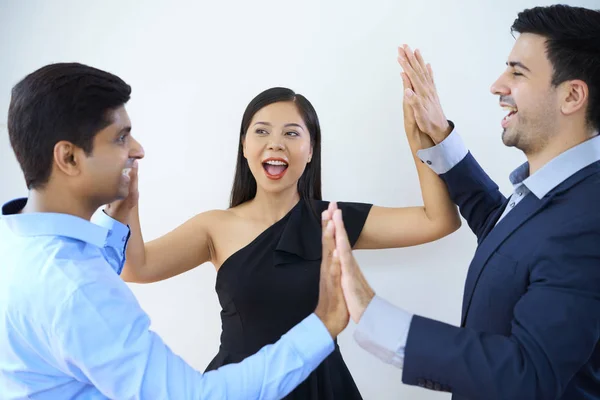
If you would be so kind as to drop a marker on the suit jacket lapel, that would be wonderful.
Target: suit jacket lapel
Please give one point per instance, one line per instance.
(528, 207)
(492, 221)
(496, 234)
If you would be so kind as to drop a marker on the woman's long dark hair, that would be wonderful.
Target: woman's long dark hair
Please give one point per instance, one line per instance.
(309, 184)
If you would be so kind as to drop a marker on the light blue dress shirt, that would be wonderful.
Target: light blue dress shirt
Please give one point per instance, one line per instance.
(383, 328)
(70, 328)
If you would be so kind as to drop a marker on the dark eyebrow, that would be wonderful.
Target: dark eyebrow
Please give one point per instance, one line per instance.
(126, 129)
(294, 124)
(286, 125)
(518, 64)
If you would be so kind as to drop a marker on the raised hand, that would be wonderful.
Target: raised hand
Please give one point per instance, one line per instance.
(120, 209)
(331, 309)
(357, 292)
(421, 95)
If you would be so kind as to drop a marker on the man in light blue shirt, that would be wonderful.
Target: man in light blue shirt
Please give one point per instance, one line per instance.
(70, 328)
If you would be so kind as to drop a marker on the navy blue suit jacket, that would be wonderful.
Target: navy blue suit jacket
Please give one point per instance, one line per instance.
(530, 326)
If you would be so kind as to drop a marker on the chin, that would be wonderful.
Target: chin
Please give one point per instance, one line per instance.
(121, 194)
(508, 138)
(277, 186)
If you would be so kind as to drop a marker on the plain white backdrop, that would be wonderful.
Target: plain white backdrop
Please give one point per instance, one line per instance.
(195, 65)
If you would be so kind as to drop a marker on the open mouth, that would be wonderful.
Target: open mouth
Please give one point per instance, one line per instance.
(512, 111)
(275, 168)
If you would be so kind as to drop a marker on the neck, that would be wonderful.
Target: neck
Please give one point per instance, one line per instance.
(565, 140)
(274, 206)
(58, 201)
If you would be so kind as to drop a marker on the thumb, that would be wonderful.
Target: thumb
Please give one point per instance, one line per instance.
(133, 174)
(409, 114)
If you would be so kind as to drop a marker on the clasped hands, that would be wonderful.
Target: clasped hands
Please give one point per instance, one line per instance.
(344, 291)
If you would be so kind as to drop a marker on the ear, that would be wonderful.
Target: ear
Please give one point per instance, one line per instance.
(310, 154)
(575, 96)
(67, 158)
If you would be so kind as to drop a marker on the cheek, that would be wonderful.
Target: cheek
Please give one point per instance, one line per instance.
(301, 151)
(253, 153)
(105, 167)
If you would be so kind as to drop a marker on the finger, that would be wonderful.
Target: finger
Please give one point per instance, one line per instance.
(412, 59)
(422, 65)
(410, 70)
(406, 81)
(332, 207)
(342, 244)
(420, 113)
(430, 72)
(328, 243)
(335, 270)
(328, 214)
(325, 217)
(133, 175)
(409, 114)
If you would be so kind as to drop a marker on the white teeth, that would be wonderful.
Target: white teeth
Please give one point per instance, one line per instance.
(510, 109)
(275, 162)
(126, 171)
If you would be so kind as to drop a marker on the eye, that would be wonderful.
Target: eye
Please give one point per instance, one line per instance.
(517, 74)
(292, 133)
(122, 138)
(262, 132)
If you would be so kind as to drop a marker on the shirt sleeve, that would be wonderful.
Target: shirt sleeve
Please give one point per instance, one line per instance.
(383, 331)
(103, 337)
(444, 156)
(116, 240)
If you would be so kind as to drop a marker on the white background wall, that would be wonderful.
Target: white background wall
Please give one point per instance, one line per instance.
(194, 66)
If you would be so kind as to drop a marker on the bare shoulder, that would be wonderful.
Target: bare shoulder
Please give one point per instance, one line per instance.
(230, 230)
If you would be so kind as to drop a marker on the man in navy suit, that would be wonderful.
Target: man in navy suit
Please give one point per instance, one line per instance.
(530, 326)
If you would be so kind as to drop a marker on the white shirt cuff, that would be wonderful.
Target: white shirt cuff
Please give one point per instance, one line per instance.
(383, 331)
(445, 155)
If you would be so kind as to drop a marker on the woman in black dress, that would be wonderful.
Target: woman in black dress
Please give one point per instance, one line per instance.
(267, 245)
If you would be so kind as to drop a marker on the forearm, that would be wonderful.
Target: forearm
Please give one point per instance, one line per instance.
(133, 270)
(475, 364)
(439, 209)
(110, 345)
(468, 186)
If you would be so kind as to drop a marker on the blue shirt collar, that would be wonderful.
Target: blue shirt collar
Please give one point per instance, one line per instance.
(558, 169)
(52, 224)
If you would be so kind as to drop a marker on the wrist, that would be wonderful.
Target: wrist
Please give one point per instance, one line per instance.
(442, 133)
(117, 214)
(364, 301)
(329, 324)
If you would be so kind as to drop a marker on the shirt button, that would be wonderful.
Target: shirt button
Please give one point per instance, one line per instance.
(124, 239)
(428, 162)
(512, 204)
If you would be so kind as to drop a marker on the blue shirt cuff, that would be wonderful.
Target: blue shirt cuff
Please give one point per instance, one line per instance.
(312, 340)
(383, 331)
(117, 238)
(445, 155)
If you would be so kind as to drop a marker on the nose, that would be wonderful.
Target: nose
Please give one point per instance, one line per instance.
(500, 87)
(275, 145)
(136, 150)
